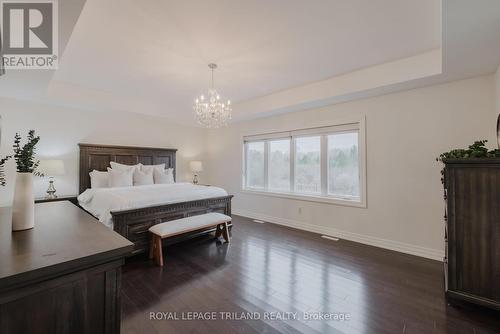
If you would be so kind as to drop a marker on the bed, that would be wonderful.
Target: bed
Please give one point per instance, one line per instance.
(134, 219)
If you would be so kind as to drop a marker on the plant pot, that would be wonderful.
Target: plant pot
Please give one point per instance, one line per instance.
(23, 207)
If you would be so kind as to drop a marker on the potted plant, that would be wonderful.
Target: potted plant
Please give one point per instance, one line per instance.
(23, 206)
(477, 150)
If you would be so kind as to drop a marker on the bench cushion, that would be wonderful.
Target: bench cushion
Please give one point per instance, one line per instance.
(189, 224)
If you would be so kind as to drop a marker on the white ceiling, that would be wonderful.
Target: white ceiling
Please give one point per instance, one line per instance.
(159, 50)
(151, 56)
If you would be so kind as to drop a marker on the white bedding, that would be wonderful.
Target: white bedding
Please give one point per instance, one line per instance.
(101, 201)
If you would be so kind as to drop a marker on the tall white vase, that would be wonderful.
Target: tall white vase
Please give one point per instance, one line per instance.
(23, 207)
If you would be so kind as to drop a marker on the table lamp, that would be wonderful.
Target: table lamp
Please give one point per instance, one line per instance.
(51, 168)
(196, 167)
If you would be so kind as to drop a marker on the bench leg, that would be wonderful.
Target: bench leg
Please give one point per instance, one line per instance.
(218, 231)
(225, 232)
(159, 252)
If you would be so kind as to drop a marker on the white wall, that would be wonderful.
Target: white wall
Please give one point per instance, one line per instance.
(61, 129)
(405, 133)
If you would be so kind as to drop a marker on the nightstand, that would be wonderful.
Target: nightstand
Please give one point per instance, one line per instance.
(72, 198)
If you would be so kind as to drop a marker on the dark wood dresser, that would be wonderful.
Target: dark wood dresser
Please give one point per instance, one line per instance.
(472, 262)
(63, 276)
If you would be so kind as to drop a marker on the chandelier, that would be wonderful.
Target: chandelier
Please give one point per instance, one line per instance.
(210, 111)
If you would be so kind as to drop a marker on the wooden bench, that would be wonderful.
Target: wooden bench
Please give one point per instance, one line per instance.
(184, 225)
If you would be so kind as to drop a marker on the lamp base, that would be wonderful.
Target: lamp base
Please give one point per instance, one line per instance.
(51, 191)
(195, 179)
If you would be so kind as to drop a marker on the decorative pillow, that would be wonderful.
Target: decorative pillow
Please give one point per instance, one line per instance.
(163, 177)
(99, 179)
(150, 168)
(120, 178)
(122, 167)
(143, 178)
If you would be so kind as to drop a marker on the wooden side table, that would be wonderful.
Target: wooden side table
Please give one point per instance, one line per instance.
(72, 198)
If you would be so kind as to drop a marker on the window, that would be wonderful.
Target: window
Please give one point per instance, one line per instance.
(343, 165)
(255, 165)
(279, 165)
(325, 164)
(308, 165)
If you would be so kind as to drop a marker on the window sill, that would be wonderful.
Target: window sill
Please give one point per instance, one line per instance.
(309, 198)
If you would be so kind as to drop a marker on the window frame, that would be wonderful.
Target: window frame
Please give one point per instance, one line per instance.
(321, 159)
(327, 175)
(267, 148)
(265, 169)
(317, 130)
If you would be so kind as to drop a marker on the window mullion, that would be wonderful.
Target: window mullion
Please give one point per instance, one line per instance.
(292, 164)
(245, 165)
(266, 165)
(324, 165)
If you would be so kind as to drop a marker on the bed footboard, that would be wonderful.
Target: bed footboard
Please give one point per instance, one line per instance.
(134, 224)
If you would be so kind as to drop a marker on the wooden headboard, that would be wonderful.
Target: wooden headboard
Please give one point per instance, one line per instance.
(98, 157)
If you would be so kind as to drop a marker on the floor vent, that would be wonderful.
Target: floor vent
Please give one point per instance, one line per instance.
(258, 221)
(330, 238)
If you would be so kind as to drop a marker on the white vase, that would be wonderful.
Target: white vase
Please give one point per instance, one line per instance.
(23, 207)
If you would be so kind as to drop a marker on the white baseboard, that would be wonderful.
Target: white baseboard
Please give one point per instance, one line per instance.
(430, 253)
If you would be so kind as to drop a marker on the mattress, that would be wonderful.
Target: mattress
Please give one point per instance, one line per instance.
(101, 202)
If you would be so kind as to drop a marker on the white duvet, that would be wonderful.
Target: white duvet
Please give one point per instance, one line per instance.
(101, 202)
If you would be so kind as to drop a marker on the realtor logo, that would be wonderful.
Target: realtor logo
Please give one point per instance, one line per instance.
(29, 34)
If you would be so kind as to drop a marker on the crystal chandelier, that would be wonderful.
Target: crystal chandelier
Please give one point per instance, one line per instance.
(210, 111)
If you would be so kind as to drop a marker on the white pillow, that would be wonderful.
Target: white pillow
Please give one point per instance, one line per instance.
(150, 168)
(163, 177)
(143, 178)
(120, 178)
(122, 167)
(99, 179)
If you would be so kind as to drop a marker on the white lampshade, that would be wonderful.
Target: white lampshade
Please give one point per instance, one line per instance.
(196, 166)
(51, 167)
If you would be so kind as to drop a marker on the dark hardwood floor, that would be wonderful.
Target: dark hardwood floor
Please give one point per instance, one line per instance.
(269, 268)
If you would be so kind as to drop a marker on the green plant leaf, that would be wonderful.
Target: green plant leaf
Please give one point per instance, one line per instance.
(25, 155)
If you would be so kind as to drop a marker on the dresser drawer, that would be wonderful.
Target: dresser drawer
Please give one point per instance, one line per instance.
(445, 264)
(138, 231)
(140, 246)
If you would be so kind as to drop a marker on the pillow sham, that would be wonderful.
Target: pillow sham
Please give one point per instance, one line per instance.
(143, 178)
(163, 176)
(99, 179)
(122, 167)
(119, 178)
(150, 168)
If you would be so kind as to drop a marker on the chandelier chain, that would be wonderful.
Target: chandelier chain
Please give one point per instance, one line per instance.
(212, 78)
